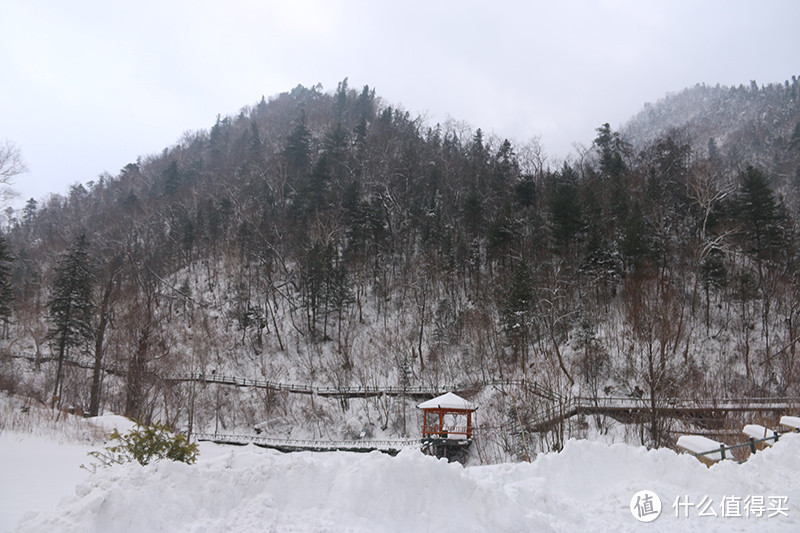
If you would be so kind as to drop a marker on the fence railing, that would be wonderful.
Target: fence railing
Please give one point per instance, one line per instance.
(751, 443)
(359, 390)
(360, 444)
(556, 411)
(447, 432)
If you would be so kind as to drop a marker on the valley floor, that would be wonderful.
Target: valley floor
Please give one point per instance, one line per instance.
(588, 486)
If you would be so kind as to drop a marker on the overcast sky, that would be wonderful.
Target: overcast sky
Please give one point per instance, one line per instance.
(88, 86)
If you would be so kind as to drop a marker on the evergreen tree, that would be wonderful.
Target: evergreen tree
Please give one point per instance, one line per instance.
(525, 192)
(340, 98)
(472, 211)
(759, 214)
(612, 149)
(713, 273)
(172, 178)
(565, 210)
(366, 104)
(635, 242)
(506, 168)
(256, 145)
(516, 311)
(29, 211)
(312, 189)
(794, 141)
(298, 147)
(325, 285)
(713, 151)
(70, 304)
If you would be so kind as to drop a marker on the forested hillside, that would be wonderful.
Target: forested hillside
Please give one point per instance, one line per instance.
(332, 239)
(743, 125)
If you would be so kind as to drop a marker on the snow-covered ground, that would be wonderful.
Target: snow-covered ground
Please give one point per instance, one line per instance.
(586, 487)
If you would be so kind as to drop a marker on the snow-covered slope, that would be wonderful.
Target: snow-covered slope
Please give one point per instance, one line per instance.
(586, 487)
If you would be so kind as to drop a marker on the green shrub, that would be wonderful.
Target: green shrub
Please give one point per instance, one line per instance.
(145, 444)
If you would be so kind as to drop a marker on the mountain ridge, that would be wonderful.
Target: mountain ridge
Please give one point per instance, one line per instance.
(334, 240)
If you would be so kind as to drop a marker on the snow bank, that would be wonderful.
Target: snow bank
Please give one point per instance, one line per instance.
(701, 445)
(759, 432)
(263, 490)
(108, 423)
(586, 487)
(35, 473)
(791, 421)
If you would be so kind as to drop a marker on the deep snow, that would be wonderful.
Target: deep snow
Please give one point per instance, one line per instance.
(586, 487)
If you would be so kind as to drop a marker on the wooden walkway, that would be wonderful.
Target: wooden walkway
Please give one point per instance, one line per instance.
(708, 412)
(390, 447)
(704, 411)
(553, 408)
(363, 391)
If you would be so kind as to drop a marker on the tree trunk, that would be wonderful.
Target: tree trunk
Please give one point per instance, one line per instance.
(135, 381)
(61, 352)
(99, 349)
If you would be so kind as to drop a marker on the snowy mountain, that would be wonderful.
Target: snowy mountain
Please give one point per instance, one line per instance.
(316, 265)
(743, 125)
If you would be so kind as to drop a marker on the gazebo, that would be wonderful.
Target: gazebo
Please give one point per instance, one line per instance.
(448, 416)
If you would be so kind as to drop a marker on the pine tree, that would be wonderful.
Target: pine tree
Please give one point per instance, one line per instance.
(564, 209)
(611, 148)
(70, 304)
(759, 214)
(29, 211)
(172, 178)
(298, 147)
(516, 312)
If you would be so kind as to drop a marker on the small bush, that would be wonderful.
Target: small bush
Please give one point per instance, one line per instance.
(145, 444)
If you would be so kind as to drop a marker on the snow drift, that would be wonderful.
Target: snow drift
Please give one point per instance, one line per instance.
(586, 487)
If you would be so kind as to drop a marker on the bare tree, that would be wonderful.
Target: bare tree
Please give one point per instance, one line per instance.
(108, 293)
(554, 314)
(10, 165)
(532, 157)
(654, 312)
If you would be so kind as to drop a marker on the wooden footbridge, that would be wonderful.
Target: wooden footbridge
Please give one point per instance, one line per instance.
(364, 391)
(436, 437)
(390, 447)
(705, 412)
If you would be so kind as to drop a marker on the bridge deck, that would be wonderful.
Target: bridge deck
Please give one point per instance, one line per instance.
(391, 447)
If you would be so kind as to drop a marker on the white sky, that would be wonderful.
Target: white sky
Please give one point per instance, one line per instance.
(88, 86)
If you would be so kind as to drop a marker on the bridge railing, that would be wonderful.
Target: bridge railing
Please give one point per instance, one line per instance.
(446, 432)
(353, 390)
(553, 408)
(310, 443)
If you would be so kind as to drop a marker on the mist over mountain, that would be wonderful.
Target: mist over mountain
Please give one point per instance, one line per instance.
(743, 125)
(334, 240)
